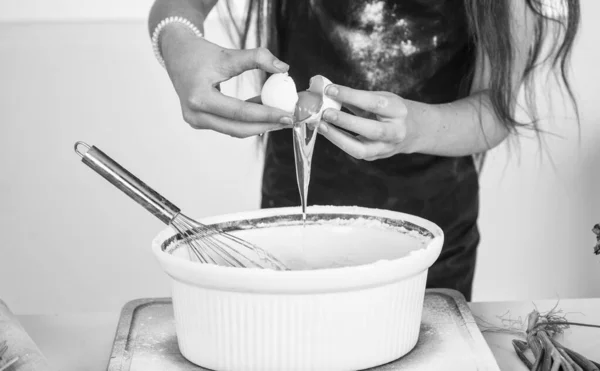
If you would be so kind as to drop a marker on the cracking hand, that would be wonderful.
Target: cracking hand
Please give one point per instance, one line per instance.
(380, 121)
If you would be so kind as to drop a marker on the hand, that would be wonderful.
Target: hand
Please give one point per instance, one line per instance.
(380, 120)
(197, 66)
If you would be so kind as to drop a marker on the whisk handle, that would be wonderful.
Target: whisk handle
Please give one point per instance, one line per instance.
(127, 182)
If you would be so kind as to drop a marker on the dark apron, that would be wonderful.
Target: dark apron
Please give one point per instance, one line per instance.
(416, 49)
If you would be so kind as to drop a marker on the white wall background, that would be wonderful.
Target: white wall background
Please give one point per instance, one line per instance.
(71, 242)
(73, 10)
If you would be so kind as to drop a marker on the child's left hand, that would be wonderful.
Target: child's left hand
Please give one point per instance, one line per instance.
(380, 120)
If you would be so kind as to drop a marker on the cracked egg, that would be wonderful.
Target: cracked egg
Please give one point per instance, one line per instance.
(279, 91)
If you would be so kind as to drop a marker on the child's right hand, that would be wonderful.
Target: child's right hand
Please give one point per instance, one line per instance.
(197, 66)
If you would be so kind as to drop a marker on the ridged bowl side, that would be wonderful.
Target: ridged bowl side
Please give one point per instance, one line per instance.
(348, 330)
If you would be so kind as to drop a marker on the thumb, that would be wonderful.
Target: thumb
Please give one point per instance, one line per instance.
(261, 58)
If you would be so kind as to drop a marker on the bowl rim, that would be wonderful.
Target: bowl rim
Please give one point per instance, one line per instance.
(254, 280)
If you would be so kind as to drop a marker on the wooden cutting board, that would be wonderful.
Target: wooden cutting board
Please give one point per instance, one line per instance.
(449, 338)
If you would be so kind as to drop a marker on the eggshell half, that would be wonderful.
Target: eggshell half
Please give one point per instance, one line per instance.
(317, 84)
(279, 91)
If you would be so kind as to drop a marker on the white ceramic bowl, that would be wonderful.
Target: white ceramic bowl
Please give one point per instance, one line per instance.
(347, 318)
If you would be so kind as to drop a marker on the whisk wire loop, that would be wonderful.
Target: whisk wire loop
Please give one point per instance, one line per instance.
(208, 244)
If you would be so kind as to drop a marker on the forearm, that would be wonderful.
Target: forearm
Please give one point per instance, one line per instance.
(470, 125)
(460, 128)
(195, 11)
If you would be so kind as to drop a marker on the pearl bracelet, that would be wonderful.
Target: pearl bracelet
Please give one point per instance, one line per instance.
(161, 26)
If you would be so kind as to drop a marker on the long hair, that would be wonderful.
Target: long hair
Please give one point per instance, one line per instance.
(556, 26)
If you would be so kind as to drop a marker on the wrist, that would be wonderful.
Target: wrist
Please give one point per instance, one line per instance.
(171, 33)
(420, 117)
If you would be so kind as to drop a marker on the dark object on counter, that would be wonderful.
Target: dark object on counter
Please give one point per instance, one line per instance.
(565, 355)
(5, 363)
(18, 352)
(548, 353)
(521, 347)
(581, 361)
(596, 231)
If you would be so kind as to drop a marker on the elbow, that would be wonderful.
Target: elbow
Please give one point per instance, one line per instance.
(495, 137)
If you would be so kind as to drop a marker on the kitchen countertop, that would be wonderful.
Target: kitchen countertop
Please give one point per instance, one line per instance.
(83, 341)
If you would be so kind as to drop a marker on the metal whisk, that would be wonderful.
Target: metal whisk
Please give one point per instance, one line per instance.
(208, 244)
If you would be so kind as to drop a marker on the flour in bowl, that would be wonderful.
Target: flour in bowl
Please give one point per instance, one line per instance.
(334, 244)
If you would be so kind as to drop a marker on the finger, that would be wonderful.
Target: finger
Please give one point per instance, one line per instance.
(237, 129)
(239, 110)
(360, 112)
(370, 129)
(354, 146)
(375, 102)
(239, 61)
